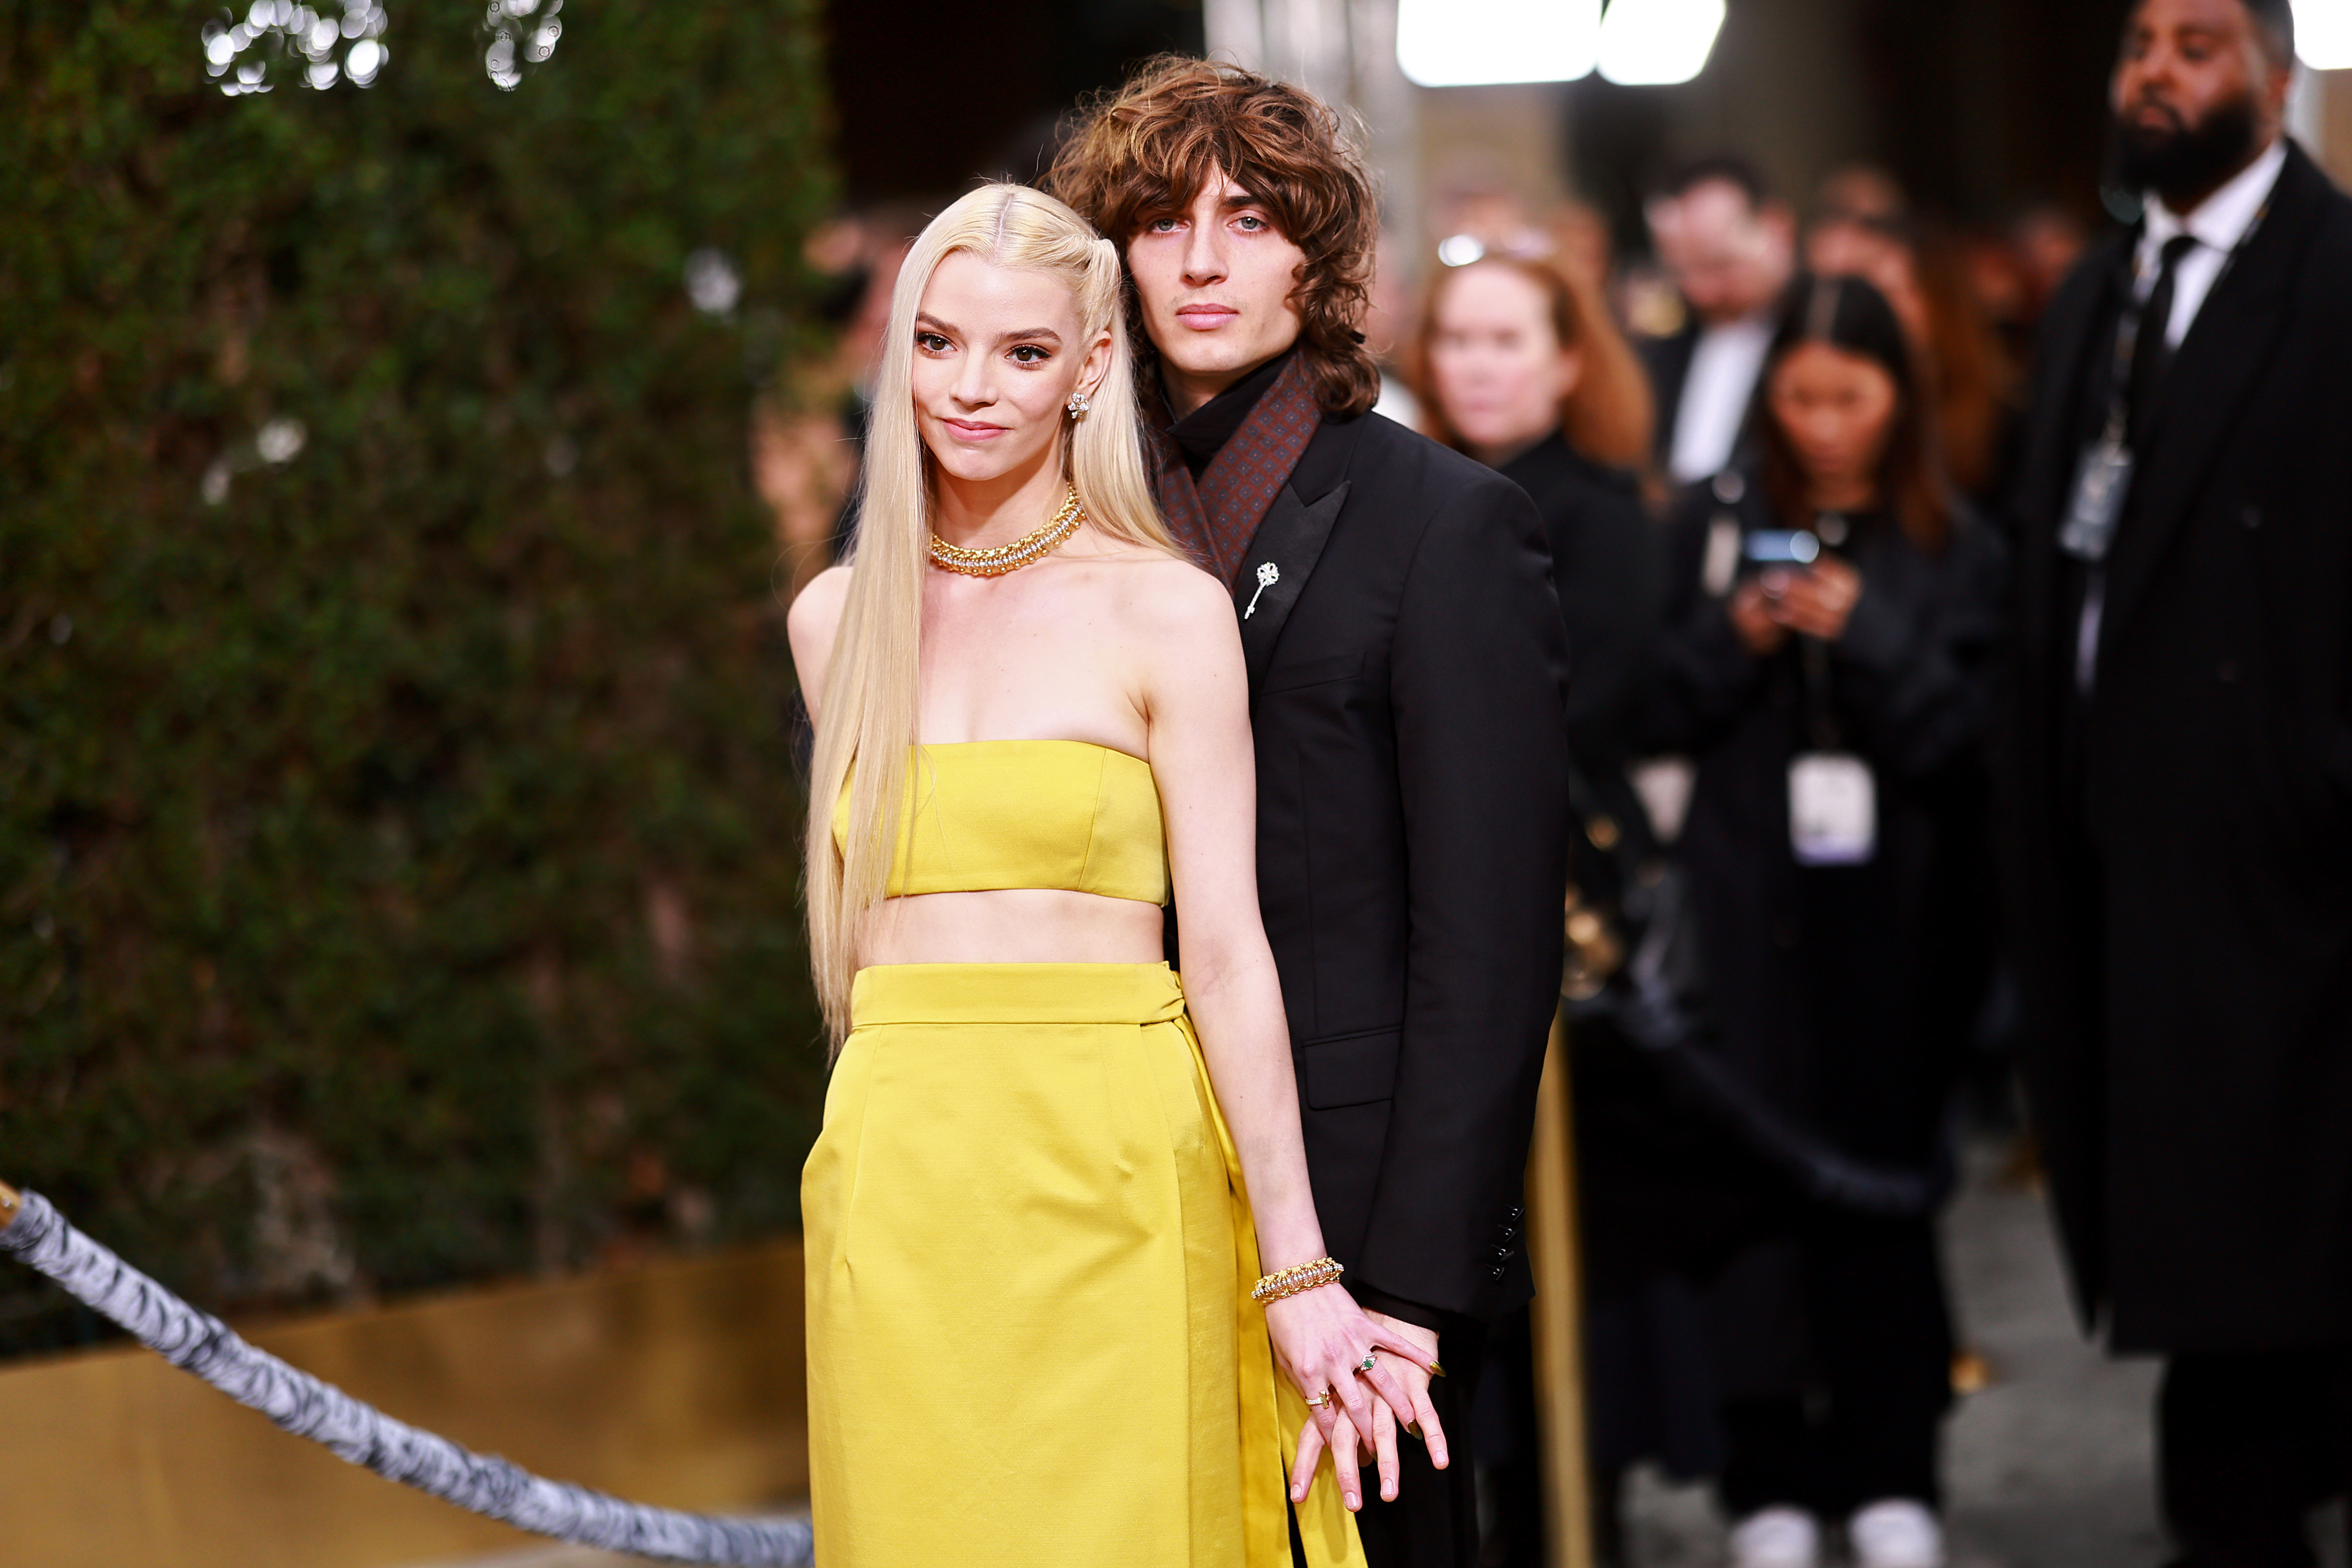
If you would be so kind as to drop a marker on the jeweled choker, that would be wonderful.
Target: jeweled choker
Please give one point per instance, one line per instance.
(1021, 552)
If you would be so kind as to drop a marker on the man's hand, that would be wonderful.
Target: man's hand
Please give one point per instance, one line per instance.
(1412, 1374)
(1408, 1376)
(1320, 1338)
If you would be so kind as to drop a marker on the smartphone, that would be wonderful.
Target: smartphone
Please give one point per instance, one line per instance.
(1781, 547)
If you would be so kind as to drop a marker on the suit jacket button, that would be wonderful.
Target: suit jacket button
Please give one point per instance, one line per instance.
(1518, 1214)
(1497, 1272)
(1508, 1231)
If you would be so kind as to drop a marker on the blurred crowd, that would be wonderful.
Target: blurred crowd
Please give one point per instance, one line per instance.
(1728, 436)
(1780, 450)
(1882, 354)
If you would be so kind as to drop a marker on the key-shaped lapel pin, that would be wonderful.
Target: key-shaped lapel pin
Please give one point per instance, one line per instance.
(1268, 576)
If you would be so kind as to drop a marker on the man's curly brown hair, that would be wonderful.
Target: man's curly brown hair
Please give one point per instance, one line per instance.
(1145, 150)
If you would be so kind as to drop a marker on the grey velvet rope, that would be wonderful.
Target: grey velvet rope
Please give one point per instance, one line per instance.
(197, 1343)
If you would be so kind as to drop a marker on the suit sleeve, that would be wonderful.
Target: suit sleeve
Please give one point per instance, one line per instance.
(1477, 679)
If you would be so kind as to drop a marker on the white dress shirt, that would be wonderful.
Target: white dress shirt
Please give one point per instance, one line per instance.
(1724, 363)
(2218, 226)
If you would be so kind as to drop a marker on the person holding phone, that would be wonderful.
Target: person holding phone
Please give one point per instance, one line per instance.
(1831, 622)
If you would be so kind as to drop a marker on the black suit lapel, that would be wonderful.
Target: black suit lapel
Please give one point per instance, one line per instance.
(1274, 572)
(1290, 541)
(1669, 362)
(2228, 348)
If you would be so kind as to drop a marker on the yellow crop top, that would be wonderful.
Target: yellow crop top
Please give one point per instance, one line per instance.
(991, 814)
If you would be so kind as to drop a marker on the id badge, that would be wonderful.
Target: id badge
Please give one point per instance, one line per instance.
(2100, 485)
(1832, 808)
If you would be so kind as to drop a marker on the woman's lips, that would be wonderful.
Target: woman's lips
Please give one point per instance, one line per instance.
(968, 431)
(1206, 317)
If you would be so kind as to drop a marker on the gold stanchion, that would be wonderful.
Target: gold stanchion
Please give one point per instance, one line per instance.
(9, 1204)
(1558, 1317)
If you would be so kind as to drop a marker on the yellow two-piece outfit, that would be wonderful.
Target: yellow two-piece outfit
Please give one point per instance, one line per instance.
(1030, 1338)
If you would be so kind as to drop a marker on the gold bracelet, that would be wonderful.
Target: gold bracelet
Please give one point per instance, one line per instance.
(1291, 1281)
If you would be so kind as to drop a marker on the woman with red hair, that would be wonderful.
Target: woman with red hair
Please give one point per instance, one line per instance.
(1519, 364)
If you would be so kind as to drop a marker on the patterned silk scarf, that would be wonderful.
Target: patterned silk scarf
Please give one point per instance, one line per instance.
(1216, 516)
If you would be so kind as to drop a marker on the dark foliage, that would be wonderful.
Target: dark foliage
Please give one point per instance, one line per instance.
(397, 869)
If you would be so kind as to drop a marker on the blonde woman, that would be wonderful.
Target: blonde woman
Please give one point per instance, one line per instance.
(1050, 1178)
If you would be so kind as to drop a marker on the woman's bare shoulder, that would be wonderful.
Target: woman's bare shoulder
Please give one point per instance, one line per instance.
(1178, 620)
(818, 607)
(1163, 595)
(815, 619)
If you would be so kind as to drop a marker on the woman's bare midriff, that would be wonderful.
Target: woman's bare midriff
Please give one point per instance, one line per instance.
(1015, 926)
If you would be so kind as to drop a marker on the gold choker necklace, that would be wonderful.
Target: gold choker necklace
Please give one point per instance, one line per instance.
(1021, 552)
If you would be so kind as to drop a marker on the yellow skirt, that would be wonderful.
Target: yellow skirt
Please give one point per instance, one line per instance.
(1030, 1338)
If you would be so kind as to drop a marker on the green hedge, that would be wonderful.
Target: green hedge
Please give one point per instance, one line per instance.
(397, 866)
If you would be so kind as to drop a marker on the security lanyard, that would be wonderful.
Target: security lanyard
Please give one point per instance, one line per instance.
(2103, 481)
(1821, 712)
(1832, 793)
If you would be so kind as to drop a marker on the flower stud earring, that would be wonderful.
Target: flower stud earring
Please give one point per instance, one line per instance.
(1077, 406)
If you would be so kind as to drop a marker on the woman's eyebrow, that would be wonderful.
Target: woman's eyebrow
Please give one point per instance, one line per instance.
(929, 322)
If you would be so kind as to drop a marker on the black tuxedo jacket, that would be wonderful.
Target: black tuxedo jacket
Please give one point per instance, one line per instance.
(1407, 672)
(2183, 841)
(1668, 361)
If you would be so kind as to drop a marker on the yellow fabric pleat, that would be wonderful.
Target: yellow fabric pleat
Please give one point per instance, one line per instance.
(1273, 1414)
(1030, 1340)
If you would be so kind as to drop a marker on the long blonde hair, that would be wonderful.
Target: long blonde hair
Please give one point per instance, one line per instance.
(870, 702)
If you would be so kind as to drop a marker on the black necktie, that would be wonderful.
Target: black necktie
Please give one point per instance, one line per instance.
(2152, 348)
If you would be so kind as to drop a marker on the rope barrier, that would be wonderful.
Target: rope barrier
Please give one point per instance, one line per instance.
(197, 1343)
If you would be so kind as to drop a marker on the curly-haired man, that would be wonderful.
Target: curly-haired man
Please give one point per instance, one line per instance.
(1407, 672)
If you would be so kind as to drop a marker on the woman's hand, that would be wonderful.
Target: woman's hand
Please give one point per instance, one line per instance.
(1321, 1339)
(1752, 619)
(1815, 602)
(1412, 1371)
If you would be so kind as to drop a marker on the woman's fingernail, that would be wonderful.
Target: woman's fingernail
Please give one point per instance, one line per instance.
(1297, 1494)
(1354, 1502)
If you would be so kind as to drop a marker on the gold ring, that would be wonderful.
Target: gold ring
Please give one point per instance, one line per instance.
(1368, 1363)
(1435, 1370)
(1316, 1401)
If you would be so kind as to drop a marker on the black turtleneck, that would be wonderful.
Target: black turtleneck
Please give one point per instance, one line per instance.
(1201, 434)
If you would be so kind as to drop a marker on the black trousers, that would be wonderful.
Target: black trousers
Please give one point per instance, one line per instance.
(1877, 1344)
(1433, 1523)
(2247, 1447)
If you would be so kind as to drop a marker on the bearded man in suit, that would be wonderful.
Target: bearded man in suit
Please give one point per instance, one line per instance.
(2180, 779)
(1407, 673)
